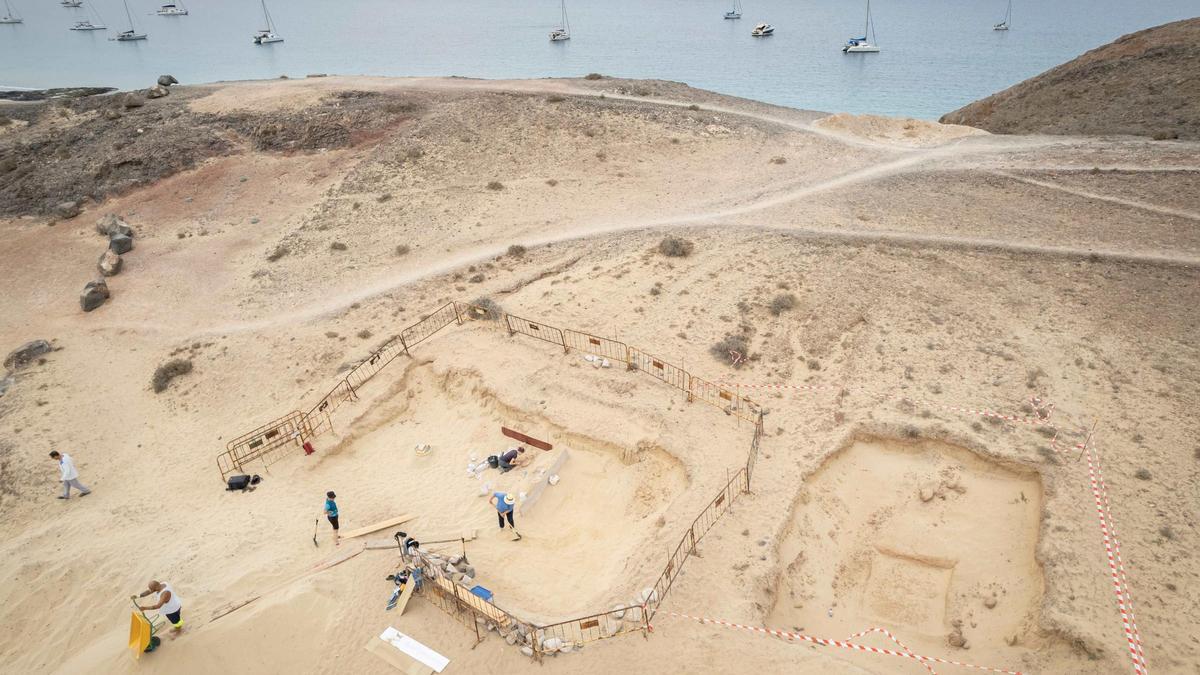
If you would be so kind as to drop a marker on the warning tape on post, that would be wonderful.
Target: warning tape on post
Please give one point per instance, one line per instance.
(847, 644)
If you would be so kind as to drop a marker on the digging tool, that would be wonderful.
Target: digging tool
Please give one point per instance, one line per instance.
(316, 524)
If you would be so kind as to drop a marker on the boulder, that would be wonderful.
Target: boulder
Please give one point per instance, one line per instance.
(648, 595)
(157, 91)
(120, 243)
(111, 114)
(551, 644)
(109, 264)
(66, 210)
(25, 354)
(527, 651)
(94, 294)
(111, 224)
(619, 611)
(167, 80)
(133, 100)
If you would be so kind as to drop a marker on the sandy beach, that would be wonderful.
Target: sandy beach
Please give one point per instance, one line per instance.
(887, 281)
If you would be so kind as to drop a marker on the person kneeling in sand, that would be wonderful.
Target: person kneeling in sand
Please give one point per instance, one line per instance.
(511, 459)
(168, 605)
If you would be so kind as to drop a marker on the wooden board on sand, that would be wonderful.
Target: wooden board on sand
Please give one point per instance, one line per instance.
(527, 440)
(465, 535)
(377, 526)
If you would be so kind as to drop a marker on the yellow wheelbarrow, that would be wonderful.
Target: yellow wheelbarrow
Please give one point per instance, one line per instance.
(142, 629)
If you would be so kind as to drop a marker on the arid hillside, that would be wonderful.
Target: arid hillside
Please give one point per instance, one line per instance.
(1145, 84)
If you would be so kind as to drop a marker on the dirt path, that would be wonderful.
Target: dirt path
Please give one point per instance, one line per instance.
(1191, 215)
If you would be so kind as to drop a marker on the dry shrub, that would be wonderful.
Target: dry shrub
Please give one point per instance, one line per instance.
(782, 303)
(495, 185)
(402, 249)
(593, 76)
(675, 247)
(732, 349)
(494, 311)
(278, 253)
(338, 246)
(169, 371)
(516, 250)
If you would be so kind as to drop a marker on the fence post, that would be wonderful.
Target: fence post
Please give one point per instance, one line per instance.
(404, 344)
(457, 314)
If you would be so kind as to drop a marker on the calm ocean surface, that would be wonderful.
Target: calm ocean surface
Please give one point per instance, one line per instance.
(937, 54)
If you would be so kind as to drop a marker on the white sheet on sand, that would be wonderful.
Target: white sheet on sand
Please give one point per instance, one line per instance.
(414, 649)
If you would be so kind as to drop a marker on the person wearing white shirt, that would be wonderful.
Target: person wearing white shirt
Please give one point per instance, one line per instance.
(169, 604)
(69, 475)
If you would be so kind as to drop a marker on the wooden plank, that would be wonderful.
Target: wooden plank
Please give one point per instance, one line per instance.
(466, 535)
(377, 526)
(528, 440)
(405, 596)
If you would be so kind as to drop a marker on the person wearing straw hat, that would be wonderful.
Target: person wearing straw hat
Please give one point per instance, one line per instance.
(505, 504)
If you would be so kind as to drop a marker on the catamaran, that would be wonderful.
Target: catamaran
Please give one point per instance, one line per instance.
(266, 35)
(763, 30)
(9, 15)
(88, 24)
(857, 45)
(129, 35)
(172, 9)
(736, 12)
(1003, 25)
(563, 31)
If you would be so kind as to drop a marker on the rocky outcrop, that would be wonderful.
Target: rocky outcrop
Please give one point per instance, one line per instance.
(1143, 84)
(111, 224)
(157, 91)
(167, 80)
(26, 354)
(94, 294)
(133, 100)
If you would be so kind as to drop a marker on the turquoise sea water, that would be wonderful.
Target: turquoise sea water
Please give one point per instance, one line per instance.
(937, 54)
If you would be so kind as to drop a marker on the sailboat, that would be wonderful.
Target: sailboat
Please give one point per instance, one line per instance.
(563, 32)
(736, 12)
(172, 9)
(71, 3)
(1003, 25)
(266, 35)
(129, 35)
(857, 45)
(9, 15)
(87, 24)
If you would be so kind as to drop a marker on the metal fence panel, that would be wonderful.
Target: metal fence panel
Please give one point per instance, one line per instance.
(534, 329)
(594, 344)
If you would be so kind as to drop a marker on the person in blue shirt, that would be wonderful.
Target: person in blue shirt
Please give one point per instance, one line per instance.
(331, 512)
(504, 503)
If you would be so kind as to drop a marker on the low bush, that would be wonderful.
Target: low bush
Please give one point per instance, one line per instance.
(495, 185)
(169, 371)
(782, 303)
(732, 349)
(675, 247)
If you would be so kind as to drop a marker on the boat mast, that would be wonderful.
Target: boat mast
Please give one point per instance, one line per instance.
(128, 16)
(565, 23)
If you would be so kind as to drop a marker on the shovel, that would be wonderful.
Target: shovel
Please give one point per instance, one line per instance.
(316, 524)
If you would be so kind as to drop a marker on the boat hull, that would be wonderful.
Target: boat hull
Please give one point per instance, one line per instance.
(860, 49)
(559, 37)
(266, 39)
(730, 15)
(172, 12)
(126, 37)
(89, 27)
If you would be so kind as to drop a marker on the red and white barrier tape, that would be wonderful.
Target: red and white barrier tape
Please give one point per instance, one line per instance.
(846, 644)
(1112, 549)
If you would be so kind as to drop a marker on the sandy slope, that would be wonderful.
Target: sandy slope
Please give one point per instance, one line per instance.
(975, 271)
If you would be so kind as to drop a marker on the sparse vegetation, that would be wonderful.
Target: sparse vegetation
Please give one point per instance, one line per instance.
(331, 334)
(278, 253)
(554, 98)
(338, 246)
(493, 308)
(601, 156)
(779, 160)
(593, 76)
(782, 303)
(1142, 474)
(675, 247)
(551, 182)
(1166, 533)
(516, 250)
(387, 196)
(476, 279)
(1164, 135)
(5, 120)
(363, 334)
(814, 364)
(495, 185)
(169, 371)
(402, 249)
(693, 107)
(732, 349)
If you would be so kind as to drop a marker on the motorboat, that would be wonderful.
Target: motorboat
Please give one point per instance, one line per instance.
(763, 30)
(172, 9)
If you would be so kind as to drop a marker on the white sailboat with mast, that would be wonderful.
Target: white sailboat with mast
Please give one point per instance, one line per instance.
(266, 35)
(563, 31)
(131, 34)
(1003, 25)
(88, 24)
(857, 45)
(9, 15)
(736, 12)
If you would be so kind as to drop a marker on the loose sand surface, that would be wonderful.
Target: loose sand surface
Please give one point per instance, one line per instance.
(859, 260)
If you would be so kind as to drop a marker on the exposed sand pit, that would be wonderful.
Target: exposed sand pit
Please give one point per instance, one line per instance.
(904, 132)
(578, 536)
(927, 539)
